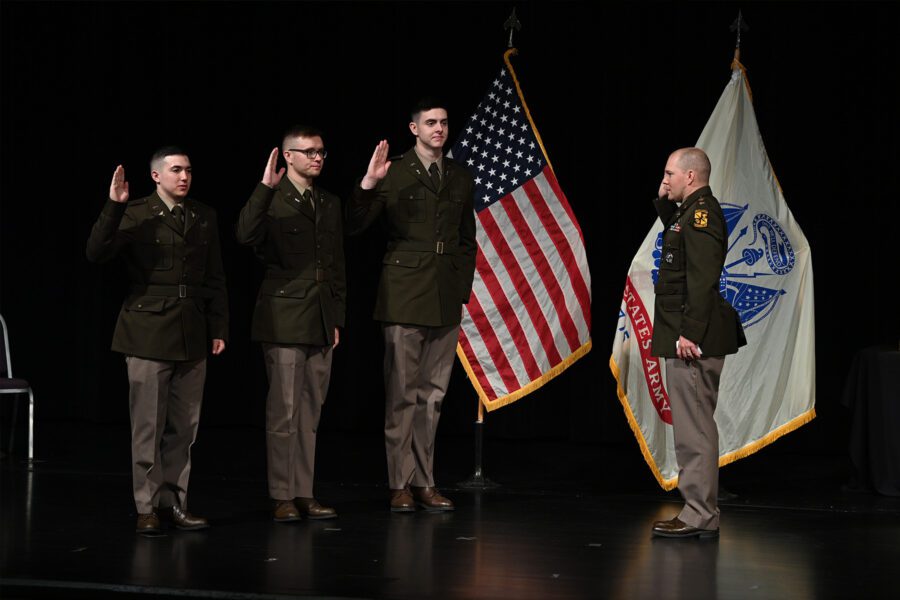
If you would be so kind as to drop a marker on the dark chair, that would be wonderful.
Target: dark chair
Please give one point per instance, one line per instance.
(11, 385)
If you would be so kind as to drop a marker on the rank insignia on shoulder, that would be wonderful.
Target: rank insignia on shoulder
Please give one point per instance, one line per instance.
(700, 218)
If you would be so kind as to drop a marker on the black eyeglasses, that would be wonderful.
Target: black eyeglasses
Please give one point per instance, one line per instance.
(310, 152)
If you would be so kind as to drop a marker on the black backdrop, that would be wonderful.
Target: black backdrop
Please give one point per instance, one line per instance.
(86, 86)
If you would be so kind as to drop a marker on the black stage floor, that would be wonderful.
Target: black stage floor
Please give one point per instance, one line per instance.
(570, 521)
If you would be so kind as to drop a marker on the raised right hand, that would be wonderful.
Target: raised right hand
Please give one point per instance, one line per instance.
(378, 166)
(118, 188)
(271, 177)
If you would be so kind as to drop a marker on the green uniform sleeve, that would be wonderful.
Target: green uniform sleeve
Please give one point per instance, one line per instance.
(705, 252)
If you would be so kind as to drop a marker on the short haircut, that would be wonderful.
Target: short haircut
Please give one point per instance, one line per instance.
(306, 131)
(162, 153)
(695, 159)
(426, 103)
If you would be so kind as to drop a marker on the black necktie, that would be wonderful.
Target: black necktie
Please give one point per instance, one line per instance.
(178, 213)
(435, 174)
(307, 195)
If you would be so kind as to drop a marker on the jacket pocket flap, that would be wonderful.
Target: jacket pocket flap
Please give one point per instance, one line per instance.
(153, 304)
(412, 192)
(402, 259)
(665, 289)
(284, 289)
(672, 303)
(670, 258)
(294, 227)
(160, 236)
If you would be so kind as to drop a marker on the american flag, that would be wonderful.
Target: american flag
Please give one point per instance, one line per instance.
(529, 316)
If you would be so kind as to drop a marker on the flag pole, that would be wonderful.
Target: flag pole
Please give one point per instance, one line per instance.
(478, 480)
(738, 26)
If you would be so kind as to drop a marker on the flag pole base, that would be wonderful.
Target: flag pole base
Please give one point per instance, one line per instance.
(478, 480)
(725, 495)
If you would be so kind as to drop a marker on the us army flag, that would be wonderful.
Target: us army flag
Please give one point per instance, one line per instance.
(768, 388)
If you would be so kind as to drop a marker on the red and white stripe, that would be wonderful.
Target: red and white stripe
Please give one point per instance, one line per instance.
(530, 305)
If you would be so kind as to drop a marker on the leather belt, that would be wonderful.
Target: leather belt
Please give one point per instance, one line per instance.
(436, 247)
(173, 291)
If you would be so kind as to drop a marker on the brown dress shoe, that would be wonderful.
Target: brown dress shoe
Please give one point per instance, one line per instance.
(402, 501)
(431, 500)
(285, 511)
(313, 510)
(147, 523)
(184, 520)
(676, 528)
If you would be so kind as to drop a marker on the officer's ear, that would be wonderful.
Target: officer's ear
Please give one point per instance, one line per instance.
(414, 128)
(154, 175)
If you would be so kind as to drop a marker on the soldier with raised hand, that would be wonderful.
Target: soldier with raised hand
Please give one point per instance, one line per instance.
(174, 316)
(694, 328)
(426, 201)
(294, 227)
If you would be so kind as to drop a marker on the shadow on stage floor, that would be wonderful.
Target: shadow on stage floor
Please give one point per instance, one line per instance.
(570, 521)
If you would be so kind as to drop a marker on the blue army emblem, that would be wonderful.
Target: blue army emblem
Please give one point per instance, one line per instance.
(752, 285)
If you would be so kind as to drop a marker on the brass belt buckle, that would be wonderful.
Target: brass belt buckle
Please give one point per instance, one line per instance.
(439, 249)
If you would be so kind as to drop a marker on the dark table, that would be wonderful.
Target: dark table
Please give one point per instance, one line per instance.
(872, 394)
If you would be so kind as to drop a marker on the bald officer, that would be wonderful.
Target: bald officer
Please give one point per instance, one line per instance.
(694, 328)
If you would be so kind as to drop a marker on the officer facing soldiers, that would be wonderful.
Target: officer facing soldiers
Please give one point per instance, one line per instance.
(694, 327)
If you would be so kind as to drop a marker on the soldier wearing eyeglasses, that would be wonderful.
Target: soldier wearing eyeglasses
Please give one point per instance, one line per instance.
(294, 228)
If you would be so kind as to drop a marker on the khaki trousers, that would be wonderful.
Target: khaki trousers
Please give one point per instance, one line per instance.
(693, 388)
(298, 383)
(164, 401)
(417, 366)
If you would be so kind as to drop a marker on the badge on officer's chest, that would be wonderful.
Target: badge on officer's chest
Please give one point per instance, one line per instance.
(676, 227)
(669, 258)
(701, 218)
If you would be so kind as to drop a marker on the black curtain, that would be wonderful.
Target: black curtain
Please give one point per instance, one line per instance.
(613, 90)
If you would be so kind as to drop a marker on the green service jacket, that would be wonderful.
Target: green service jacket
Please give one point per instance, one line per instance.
(429, 264)
(178, 303)
(688, 302)
(303, 295)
